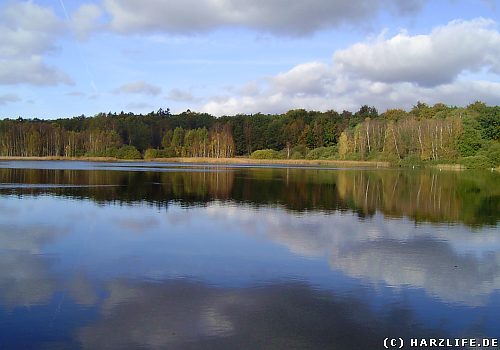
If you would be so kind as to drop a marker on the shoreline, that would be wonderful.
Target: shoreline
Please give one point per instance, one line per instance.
(248, 161)
(296, 162)
(226, 161)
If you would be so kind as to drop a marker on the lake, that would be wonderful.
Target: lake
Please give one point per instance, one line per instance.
(180, 256)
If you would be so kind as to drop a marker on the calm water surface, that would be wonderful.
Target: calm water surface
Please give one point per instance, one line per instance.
(163, 256)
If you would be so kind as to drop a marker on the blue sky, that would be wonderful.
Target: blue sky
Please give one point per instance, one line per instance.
(61, 58)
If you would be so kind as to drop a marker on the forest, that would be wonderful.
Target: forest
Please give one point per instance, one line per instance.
(423, 135)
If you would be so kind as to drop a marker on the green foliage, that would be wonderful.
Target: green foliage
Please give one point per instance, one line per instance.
(383, 157)
(491, 150)
(128, 152)
(296, 155)
(343, 145)
(433, 133)
(394, 114)
(299, 152)
(352, 156)
(477, 106)
(323, 153)
(108, 152)
(168, 152)
(476, 162)
(123, 152)
(494, 153)
(167, 139)
(388, 157)
(489, 121)
(152, 153)
(196, 142)
(178, 140)
(266, 154)
(470, 140)
(411, 161)
(367, 112)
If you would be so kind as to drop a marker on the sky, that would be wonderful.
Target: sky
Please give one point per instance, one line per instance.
(61, 58)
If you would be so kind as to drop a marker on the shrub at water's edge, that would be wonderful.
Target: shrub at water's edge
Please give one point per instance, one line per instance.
(477, 162)
(266, 154)
(123, 152)
(323, 153)
(152, 153)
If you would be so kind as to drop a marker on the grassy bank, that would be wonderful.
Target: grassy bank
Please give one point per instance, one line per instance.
(241, 160)
(304, 162)
(251, 161)
(454, 167)
(89, 159)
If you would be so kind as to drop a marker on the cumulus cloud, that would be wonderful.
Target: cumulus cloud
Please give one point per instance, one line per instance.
(8, 98)
(27, 29)
(27, 32)
(277, 16)
(85, 20)
(307, 86)
(138, 87)
(76, 94)
(139, 106)
(427, 60)
(386, 73)
(31, 71)
(309, 79)
(179, 95)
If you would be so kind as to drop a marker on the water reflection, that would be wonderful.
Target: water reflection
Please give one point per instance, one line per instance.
(424, 196)
(25, 279)
(453, 264)
(247, 258)
(190, 315)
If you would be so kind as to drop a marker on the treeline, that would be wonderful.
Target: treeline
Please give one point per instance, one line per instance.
(216, 143)
(436, 133)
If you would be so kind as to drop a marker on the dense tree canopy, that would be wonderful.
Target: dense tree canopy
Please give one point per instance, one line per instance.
(436, 133)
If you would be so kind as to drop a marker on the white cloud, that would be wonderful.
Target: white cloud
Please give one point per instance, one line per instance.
(139, 106)
(85, 20)
(285, 17)
(76, 94)
(427, 60)
(384, 74)
(27, 32)
(179, 95)
(309, 79)
(8, 98)
(138, 87)
(27, 29)
(31, 71)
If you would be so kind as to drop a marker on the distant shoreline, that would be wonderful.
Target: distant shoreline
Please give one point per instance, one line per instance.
(246, 161)
(199, 160)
